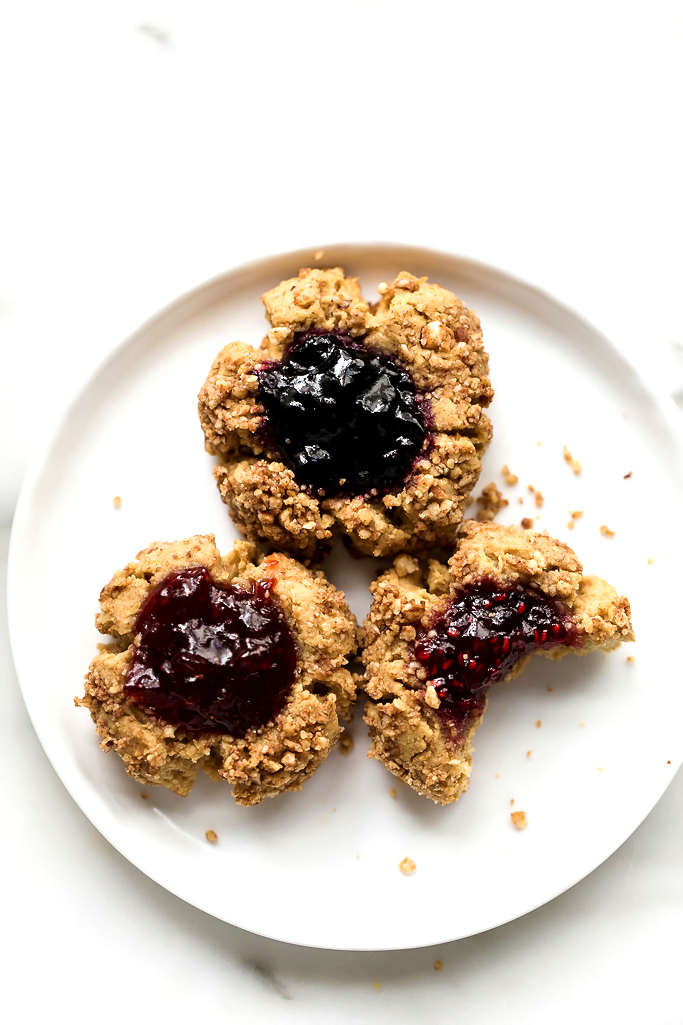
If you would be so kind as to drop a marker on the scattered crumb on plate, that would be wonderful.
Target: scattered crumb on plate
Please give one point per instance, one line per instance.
(407, 866)
(346, 743)
(211, 836)
(527, 523)
(538, 724)
(438, 965)
(116, 501)
(519, 819)
(629, 474)
(490, 502)
(510, 478)
(392, 792)
(574, 463)
(605, 531)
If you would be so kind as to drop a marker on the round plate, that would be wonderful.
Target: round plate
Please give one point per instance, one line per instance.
(585, 746)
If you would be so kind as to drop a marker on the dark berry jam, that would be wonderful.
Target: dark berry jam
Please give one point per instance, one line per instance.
(209, 658)
(344, 420)
(484, 631)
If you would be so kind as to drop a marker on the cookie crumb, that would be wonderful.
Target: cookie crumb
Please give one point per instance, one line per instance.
(538, 444)
(605, 531)
(549, 689)
(574, 463)
(570, 525)
(346, 743)
(319, 255)
(668, 762)
(378, 986)
(491, 501)
(538, 724)
(438, 965)
(629, 474)
(519, 819)
(211, 836)
(582, 724)
(392, 792)
(600, 768)
(527, 523)
(116, 501)
(497, 775)
(520, 500)
(531, 488)
(576, 514)
(407, 866)
(631, 658)
(528, 754)
(512, 801)
(509, 478)
(144, 796)
(650, 562)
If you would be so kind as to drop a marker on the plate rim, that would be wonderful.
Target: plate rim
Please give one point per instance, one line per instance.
(38, 464)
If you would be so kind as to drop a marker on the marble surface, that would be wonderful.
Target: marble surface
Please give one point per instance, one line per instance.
(155, 144)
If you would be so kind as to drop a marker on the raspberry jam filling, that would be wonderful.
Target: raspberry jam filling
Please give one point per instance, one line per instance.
(484, 631)
(210, 658)
(345, 421)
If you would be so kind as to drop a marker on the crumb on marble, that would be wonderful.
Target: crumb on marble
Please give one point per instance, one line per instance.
(519, 819)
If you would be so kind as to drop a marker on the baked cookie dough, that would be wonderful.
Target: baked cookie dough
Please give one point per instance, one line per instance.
(285, 635)
(437, 638)
(353, 419)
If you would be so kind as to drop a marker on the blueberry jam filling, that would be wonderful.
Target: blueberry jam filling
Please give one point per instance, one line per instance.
(210, 658)
(345, 421)
(484, 631)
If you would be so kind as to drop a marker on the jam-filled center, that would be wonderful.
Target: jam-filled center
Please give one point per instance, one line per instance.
(345, 421)
(482, 634)
(210, 658)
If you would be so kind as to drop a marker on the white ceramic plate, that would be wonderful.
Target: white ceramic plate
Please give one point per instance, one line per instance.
(321, 867)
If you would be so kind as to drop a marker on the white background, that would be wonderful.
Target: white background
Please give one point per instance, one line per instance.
(148, 146)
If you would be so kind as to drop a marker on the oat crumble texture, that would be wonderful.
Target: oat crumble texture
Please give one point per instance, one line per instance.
(428, 333)
(408, 733)
(267, 761)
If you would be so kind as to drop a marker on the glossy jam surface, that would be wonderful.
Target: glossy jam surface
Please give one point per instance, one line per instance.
(218, 659)
(484, 631)
(346, 421)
